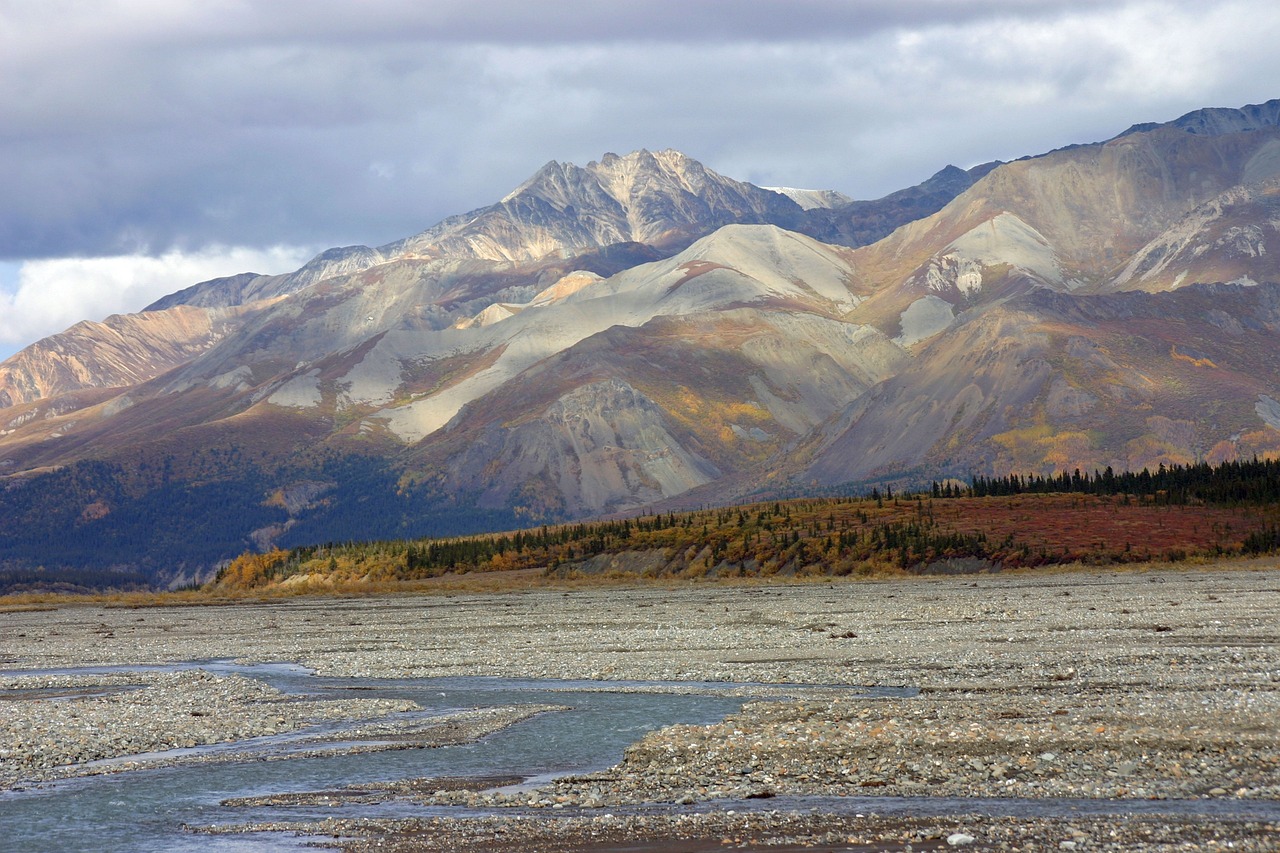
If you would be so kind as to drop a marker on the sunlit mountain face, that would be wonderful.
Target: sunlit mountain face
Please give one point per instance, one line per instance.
(643, 332)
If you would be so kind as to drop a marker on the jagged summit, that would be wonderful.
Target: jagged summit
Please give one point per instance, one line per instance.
(663, 198)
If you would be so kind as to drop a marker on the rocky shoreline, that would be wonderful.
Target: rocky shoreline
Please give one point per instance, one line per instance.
(1135, 686)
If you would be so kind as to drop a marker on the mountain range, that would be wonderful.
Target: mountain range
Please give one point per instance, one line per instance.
(644, 333)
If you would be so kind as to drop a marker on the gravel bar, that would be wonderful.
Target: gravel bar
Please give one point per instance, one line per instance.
(1134, 685)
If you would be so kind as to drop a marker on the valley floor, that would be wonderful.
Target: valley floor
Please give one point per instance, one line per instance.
(1138, 686)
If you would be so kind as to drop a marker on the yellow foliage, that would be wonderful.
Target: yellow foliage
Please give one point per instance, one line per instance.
(1066, 450)
(690, 401)
(1015, 439)
(1195, 362)
(746, 412)
(250, 570)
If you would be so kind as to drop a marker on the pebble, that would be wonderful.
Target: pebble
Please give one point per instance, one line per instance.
(1084, 702)
(161, 712)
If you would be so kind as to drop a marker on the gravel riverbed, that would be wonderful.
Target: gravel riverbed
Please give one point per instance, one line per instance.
(1132, 685)
(47, 738)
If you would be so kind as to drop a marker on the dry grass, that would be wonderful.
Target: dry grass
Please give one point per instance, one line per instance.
(524, 580)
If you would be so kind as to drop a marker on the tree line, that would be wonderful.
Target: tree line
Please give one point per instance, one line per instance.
(1233, 483)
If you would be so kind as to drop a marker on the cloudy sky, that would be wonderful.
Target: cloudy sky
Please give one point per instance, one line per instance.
(149, 144)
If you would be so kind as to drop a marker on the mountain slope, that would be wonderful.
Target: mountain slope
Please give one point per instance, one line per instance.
(633, 415)
(1072, 220)
(860, 223)
(1231, 237)
(1051, 382)
(643, 331)
(123, 350)
(395, 374)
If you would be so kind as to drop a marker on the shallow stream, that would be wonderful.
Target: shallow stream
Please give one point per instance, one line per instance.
(145, 811)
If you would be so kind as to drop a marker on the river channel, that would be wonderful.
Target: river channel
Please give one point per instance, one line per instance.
(148, 810)
(153, 810)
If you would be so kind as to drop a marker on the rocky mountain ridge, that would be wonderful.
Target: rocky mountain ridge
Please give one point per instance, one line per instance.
(601, 218)
(121, 351)
(1217, 121)
(643, 331)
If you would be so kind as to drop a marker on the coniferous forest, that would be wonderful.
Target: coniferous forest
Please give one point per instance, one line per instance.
(1230, 483)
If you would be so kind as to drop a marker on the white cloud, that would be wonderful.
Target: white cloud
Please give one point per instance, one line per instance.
(42, 297)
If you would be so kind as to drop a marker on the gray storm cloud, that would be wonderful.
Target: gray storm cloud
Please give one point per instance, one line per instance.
(143, 127)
